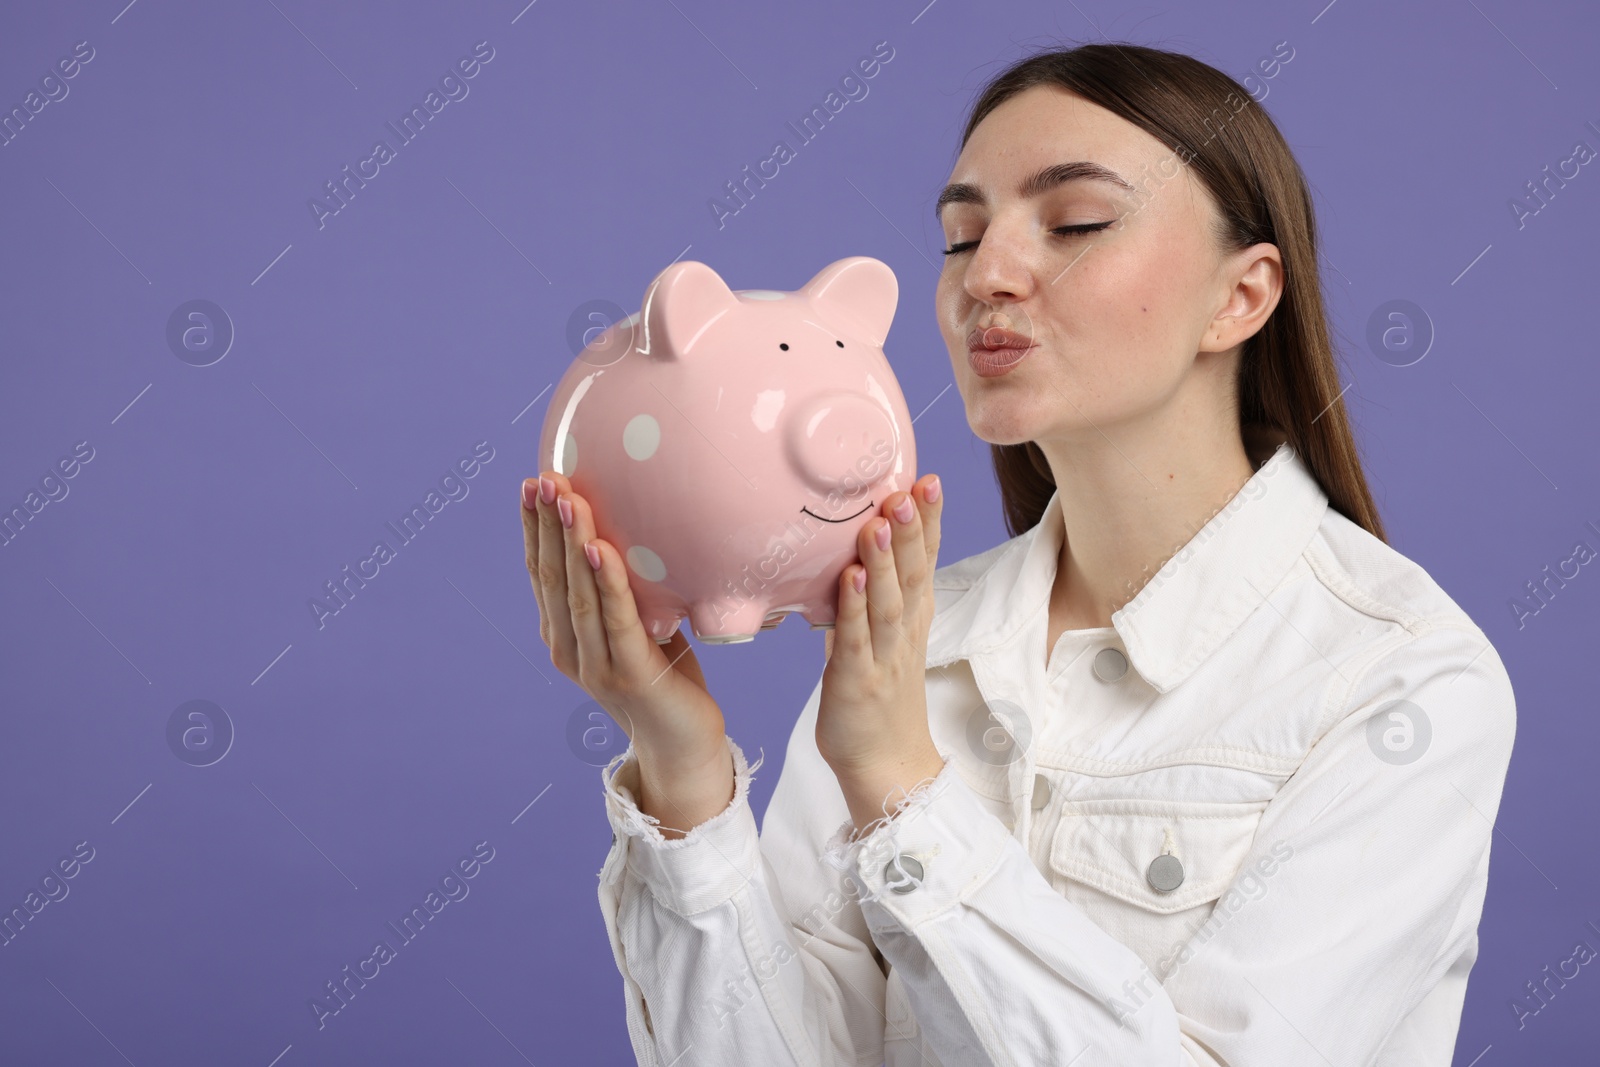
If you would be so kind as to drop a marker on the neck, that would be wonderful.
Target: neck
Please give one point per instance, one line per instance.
(1130, 499)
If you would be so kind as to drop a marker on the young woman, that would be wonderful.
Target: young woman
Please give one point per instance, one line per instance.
(1193, 769)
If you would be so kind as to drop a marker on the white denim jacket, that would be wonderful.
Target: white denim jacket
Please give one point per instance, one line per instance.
(1247, 824)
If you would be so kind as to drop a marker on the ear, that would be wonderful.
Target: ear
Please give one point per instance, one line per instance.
(860, 291)
(682, 301)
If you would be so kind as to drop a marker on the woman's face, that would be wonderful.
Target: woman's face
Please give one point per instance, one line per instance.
(1116, 315)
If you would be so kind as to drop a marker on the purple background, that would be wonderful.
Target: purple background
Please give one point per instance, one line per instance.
(432, 312)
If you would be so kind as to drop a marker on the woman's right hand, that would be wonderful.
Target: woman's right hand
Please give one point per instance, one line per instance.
(656, 693)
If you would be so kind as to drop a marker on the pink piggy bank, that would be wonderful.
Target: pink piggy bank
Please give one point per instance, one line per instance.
(733, 444)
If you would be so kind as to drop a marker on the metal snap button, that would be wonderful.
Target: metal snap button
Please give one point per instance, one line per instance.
(1041, 791)
(903, 883)
(1165, 873)
(1110, 664)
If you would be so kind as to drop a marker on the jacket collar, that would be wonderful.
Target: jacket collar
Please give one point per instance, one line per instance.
(1186, 610)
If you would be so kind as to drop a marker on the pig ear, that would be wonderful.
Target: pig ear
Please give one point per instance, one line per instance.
(861, 291)
(682, 301)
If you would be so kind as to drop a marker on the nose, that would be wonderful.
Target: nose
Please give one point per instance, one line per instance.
(999, 269)
(837, 439)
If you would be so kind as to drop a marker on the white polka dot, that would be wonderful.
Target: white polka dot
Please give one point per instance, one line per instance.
(641, 437)
(569, 455)
(646, 564)
(762, 294)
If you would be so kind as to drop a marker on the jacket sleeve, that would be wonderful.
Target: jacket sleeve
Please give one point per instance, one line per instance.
(737, 948)
(1362, 887)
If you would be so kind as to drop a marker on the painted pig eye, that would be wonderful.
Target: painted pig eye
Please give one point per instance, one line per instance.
(783, 346)
(839, 343)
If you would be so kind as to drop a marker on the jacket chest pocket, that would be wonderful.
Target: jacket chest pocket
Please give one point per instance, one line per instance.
(1149, 872)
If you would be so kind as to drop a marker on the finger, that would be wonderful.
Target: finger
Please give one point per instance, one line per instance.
(530, 549)
(852, 632)
(553, 576)
(634, 653)
(910, 554)
(583, 596)
(884, 603)
(930, 505)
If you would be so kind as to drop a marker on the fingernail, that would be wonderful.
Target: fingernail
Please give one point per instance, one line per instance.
(859, 580)
(530, 493)
(593, 553)
(882, 536)
(564, 506)
(933, 490)
(547, 490)
(904, 510)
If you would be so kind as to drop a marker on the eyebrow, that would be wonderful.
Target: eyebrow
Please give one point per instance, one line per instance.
(1038, 182)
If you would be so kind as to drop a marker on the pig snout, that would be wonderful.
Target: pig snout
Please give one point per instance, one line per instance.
(841, 441)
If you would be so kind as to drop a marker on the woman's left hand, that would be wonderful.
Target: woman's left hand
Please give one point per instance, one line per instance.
(872, 720)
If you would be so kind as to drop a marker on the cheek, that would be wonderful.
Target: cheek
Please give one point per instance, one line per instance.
(947, 299)
(1139, 305)
(1127, 282)
(1124, 336)
(1109, 307)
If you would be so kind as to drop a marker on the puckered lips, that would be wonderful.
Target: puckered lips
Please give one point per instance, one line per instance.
(995, 350)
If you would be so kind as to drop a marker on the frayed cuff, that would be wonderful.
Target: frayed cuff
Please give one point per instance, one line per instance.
(850, 850)
(940, 844)
(697, 871)
(620, 780)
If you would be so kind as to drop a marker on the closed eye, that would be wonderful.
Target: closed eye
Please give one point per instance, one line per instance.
(1064, 231)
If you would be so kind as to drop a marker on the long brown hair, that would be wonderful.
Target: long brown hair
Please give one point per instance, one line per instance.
(1288, 378)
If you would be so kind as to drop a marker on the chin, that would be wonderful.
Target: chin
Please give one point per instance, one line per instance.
(1000, 422)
